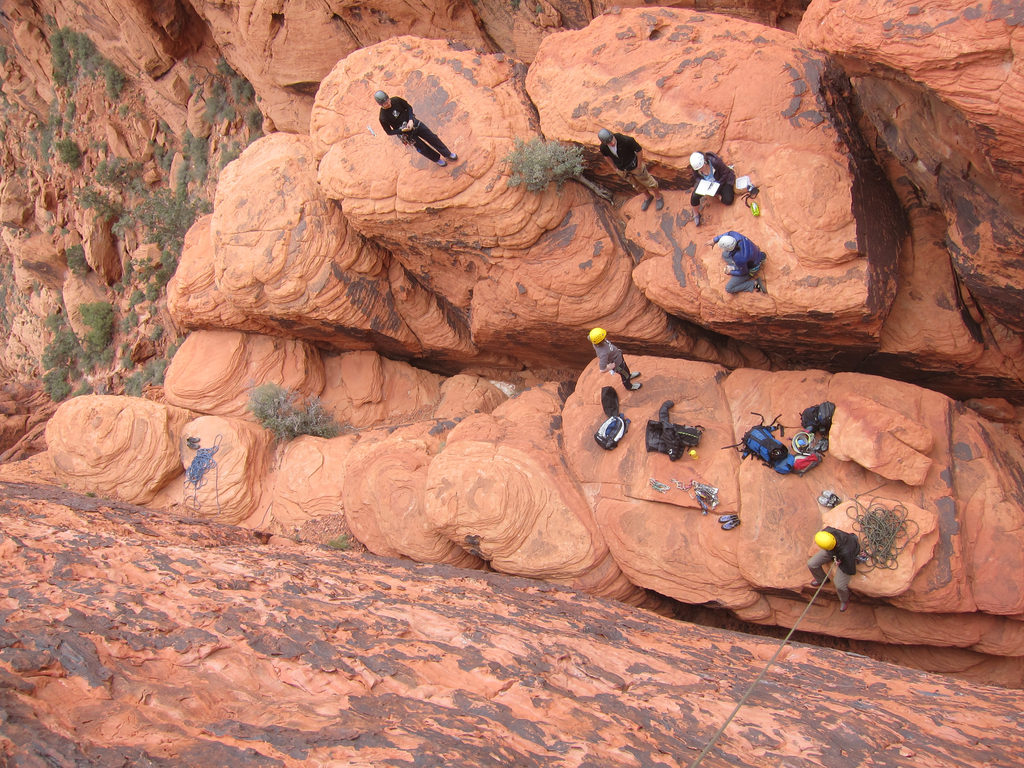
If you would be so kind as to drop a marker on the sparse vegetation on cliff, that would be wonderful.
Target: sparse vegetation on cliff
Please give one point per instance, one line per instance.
(280, 410)
(537, 163)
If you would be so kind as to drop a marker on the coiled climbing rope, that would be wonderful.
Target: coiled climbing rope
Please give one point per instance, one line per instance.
(195, 475)
(884, 532)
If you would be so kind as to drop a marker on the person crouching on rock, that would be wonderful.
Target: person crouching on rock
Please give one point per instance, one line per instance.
(844, 549)
(709, 167)
(397, 119)
(623, 153)
(744, 260)
(610, 358)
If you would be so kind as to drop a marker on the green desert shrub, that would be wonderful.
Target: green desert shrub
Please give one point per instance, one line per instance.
(68, 152)
(281, 411)
(75, 255)
(536, 163)
(99, 316)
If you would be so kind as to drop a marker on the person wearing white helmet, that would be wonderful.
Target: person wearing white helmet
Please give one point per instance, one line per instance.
(397, 119)
(707, 166)
(744, 262)
(623, 153)
(610, 359)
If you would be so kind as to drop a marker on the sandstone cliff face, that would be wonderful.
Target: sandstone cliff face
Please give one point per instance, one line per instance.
(953, 128)
(113, 612)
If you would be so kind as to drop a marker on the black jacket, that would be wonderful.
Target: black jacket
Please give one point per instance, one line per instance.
(624, 157)
(846, 550)
(673, 439)
(398, 114)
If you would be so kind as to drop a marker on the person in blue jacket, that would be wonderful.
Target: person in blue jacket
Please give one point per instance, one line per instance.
(745, 262)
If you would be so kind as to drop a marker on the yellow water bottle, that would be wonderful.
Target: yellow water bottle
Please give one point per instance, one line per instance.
(755, 208)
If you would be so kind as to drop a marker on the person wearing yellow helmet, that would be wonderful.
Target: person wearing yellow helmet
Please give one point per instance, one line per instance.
(610, 358)
(843, 548)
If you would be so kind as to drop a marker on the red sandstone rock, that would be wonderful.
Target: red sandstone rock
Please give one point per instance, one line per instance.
(114, 612)
(284, 252)
(706, 82)
(385, 503)
(229, 490)
(124, 447)
(285, 51)
(309, 481)
(967, 156)
(499, 491)
(214, 371)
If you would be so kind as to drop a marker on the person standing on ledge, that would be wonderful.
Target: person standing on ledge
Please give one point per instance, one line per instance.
(744, 260)
(709, 167)
(842, 547)
(610, 358)
(623, 153)
(397, 119)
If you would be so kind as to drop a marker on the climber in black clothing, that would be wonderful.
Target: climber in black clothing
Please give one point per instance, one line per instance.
(397, 119)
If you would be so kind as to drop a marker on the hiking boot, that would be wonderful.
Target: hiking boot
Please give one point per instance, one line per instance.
(815, 583)
(635, 387)
(646, 204)
(862, 558)
(696, 219)
(727, 518)
(843, 607)
(660, 204)
(633, 375)
(728, 525)
(453, 157)
(442, 162)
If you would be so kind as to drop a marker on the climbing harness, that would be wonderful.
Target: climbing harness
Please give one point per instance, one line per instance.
(883, 532)
(743, 699)
(195, 475)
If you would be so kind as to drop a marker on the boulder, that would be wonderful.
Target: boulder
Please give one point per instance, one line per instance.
(226, 474)
(702, 82)
(309, 481)
(283, 252)
(213, 372)
(78, 291)
(123, 447)
(442, 223)
(500, 491)
(36, 259)
(464, 394)
(385, 506)
(363, 389)
(967, 153)
(193, 298)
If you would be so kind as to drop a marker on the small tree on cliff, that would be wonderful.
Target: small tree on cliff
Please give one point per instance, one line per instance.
(536, 163)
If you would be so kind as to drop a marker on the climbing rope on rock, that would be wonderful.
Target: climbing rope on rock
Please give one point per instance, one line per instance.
(195, 475)
(883, 532)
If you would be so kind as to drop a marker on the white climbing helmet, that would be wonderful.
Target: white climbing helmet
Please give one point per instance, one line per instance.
(727, 243)
(697, 160)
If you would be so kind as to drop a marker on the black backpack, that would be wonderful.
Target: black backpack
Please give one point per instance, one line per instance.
(613, 429)
(818, 418)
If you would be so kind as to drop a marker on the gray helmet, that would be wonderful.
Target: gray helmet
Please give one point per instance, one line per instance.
(380, 97)
(727, 243)
(604, 135)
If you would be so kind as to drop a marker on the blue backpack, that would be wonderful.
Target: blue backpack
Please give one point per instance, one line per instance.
(760, 441)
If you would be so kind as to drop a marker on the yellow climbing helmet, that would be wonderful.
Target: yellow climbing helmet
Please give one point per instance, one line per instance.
(597, 335)
(825, 540)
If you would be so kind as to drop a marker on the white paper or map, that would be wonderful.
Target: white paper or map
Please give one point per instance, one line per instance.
(706, 187)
